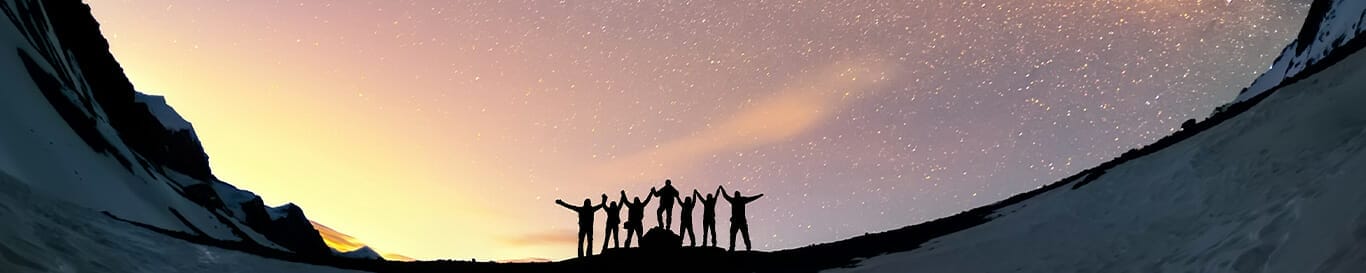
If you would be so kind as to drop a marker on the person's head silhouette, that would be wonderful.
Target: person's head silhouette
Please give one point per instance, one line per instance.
(667, 182)
(709, 196)
(686, 200)
(737, 193)
(637, 199)
(613, 204)
(587, 202)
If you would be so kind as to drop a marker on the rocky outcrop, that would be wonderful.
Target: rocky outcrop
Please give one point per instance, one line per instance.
(78, 33)
(286, 226)
(659, 238)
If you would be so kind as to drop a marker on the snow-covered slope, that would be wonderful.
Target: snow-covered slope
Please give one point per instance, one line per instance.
(42, 234)
(74, 129)
(1330, 24)
(1277, 188)
(88, 166)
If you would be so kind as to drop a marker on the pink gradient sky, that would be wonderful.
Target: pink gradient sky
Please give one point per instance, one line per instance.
(445, 129)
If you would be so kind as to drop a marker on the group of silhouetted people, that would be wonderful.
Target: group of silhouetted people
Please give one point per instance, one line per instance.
(635, 213)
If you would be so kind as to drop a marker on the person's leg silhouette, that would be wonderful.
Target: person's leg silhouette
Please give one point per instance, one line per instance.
(744, 231)
(580, 248)
(606, 234)
(692, 239)
(589, 251)
(659, 217)
(733, 229)
(713, 235)
(682, 233)
(704, 234)
(640, 233)
(708, 229)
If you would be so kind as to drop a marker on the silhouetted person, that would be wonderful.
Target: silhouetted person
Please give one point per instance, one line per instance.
(737, 215)
(667, 194)
(635, 213)
(708, 215)
(685, 219)
(613, 221)
(585, 221)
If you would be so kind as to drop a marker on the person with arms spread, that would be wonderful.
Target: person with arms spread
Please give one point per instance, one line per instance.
(737, 215)
(708, 215)
(666, 195)
(635, 213)
(585, 222)
(685, 219)
(613, 222)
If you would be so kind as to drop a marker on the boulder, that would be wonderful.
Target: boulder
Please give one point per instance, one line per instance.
(659, 238)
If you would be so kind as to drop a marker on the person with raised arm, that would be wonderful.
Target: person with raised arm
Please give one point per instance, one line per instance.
(666, 195)
(685, 219)
(613, 222)
(737, 215)
(708, 215)
(635, 213)
(585, 222)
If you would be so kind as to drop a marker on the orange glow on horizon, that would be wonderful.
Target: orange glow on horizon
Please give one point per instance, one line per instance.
(345, 243)
(329, 141)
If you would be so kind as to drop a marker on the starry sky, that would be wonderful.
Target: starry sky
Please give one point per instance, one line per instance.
(445, 129)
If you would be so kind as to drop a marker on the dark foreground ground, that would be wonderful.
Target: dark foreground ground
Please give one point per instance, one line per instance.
(811, 258)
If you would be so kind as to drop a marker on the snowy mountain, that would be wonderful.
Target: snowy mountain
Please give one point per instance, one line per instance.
(1330, 25)
(76, 130)
(350, 247)
(364, 252)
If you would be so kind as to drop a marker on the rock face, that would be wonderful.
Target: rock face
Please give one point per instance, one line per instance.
(659, 238)
(64, 52)
(286, 226)
(78, 33)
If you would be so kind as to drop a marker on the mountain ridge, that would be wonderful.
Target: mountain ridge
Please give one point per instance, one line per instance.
(163, 161)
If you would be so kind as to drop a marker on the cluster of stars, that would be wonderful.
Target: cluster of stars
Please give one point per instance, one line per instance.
(858, 116)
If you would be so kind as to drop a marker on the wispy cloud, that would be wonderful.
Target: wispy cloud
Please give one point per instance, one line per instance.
(396, 257)
(526, 260)
(782, 115)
